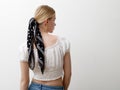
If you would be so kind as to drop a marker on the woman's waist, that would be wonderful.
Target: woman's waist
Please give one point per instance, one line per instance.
(56, 82)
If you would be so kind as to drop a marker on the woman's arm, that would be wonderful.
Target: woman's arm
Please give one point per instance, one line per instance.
(67, 70)
(24, 76)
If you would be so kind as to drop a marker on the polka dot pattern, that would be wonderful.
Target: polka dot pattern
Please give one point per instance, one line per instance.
(34, 37)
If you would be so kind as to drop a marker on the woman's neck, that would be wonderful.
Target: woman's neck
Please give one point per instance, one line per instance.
(43, 30)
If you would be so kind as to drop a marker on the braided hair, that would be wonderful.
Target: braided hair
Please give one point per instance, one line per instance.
(34, 37)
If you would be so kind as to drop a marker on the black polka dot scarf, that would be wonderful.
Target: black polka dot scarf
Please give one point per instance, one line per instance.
(34, 37)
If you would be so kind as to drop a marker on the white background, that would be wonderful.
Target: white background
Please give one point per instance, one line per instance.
(92, 27)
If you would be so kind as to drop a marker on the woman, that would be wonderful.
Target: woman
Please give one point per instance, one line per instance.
(47, 55)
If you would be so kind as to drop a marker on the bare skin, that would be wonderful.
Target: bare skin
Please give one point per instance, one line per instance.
(49, 39)
(57, 82)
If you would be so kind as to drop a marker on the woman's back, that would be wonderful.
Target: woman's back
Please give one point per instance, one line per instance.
(47, 55)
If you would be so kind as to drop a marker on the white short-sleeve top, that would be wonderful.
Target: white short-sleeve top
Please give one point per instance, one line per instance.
(53, 59)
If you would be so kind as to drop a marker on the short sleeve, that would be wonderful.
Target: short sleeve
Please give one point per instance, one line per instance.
(67, 45)
(23, 53)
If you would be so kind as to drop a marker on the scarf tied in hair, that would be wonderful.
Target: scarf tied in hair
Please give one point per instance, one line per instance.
(34, 37)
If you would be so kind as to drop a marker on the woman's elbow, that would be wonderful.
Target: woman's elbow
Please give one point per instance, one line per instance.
(24, 83)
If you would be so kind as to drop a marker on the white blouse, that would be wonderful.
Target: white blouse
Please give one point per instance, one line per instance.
(53, 59)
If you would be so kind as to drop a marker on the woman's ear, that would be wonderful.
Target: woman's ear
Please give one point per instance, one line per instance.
(46, 21)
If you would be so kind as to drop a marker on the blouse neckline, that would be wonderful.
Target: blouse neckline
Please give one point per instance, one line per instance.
(51, 46)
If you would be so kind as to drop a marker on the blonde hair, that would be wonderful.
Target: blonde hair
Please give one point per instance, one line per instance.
(43, 13)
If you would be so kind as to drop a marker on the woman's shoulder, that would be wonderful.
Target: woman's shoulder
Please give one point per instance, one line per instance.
(59, 37)
(23, 53)
(23, 46)
(63, 39)
(65, 43)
